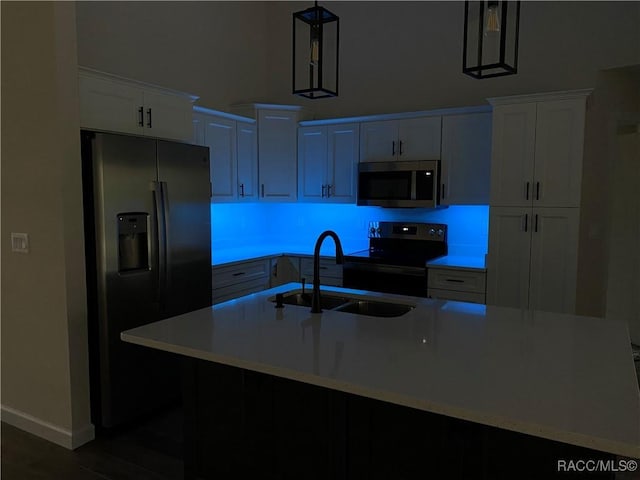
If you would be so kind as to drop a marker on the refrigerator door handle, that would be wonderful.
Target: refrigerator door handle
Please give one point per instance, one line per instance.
(167, 249)
(161, 247)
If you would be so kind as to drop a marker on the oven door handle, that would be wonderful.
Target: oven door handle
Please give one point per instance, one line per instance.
(380, 268)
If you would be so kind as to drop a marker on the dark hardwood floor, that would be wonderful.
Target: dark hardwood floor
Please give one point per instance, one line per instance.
(151, 450)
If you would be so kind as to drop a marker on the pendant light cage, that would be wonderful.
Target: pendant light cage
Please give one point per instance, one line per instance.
(491, 30)
(315, 53)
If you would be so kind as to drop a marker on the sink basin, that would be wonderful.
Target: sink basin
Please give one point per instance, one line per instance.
(327, 302)
(375, 309)
(347, 304)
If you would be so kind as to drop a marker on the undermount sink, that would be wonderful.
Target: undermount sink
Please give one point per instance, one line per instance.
(347, 304)
(327, 302)
(375, 309)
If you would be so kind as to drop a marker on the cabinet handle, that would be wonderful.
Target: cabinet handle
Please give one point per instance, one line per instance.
(393, 148)
(400, 147)
(443, 190)
(242, 189)
(262, 187)
(141, 121)
(527, 194)
(237, 274)
(535, 229)
(329, 190)
(149, 115)
(455, 280)
(323, 187)
(537, 190)
(526, 221)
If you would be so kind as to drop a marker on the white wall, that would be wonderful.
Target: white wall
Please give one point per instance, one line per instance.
(217, 50)
(395, 56)
(45, 387)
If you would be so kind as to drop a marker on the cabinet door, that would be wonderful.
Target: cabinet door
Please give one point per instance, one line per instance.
(558, 157)
(111, 106)
(513, 151)
(220, 137)
(554, 259)
(419, 138)
(247, 144)
(466, 159)
(277, 155)
(312, 164)
(198, 121)
(509, 254)
(342, 162)
(379, 141)
(167, 116)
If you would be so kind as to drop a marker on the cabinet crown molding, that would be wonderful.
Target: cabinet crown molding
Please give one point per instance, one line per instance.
(218, 113)
(90, 72)
(541, 97)
(397, 116)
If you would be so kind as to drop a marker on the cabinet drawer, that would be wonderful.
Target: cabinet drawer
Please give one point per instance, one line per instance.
(458, 280)
(223, 294)
(240, 273)
(328, 268)
(453, 295)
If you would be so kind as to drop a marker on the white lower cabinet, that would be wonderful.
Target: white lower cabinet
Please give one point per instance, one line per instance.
(330, 271)
(233, 281)
(533, 258)
(456, 284)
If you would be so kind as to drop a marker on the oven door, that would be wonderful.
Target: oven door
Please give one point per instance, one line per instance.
(385, 278)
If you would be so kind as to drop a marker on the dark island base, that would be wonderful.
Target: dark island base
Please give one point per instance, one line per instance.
(243, 424)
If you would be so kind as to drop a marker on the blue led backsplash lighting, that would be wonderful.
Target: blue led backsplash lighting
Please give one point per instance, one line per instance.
(236, 225)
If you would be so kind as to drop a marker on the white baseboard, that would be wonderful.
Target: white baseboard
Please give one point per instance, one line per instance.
(53, 433)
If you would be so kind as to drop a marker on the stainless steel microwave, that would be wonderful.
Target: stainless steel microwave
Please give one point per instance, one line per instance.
(399, 184)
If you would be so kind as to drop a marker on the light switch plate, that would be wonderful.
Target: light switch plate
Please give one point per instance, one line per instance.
(19, 242)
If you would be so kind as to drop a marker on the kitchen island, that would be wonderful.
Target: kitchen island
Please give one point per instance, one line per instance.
(456, 389)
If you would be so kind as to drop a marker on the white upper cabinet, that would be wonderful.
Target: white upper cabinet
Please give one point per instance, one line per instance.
(247, 159)
(277, 132)
(537, 150)
(116, 104)
(402, 140)
(466, 159)
(327, 163)
(232, 152)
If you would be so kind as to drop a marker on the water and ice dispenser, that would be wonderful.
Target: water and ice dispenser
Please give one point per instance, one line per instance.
(133, 242)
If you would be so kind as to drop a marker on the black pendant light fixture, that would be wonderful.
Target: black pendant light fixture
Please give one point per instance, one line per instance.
(490, 38)
(315, 53)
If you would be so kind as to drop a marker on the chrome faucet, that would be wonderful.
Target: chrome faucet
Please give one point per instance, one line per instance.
(315, 301)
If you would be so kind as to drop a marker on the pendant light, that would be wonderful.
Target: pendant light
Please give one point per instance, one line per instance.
(490, 38)
(315, 53)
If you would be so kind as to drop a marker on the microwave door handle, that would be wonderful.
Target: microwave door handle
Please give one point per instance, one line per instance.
(413, 185)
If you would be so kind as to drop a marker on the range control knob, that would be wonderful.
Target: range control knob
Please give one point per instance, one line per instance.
(440, 232)
(378, 231)
(372, 230)
(432, 232)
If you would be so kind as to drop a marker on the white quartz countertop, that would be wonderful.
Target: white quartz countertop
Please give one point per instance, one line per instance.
(556, 376)
(465, 262)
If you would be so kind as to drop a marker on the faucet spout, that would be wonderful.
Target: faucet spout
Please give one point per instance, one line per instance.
(315, 301)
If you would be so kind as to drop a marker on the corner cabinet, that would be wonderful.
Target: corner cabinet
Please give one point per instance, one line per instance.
(232, 143)
(401, 140)
(534, 215)
(327, 163)
(277, 135)
(466, 159)
(116, 104)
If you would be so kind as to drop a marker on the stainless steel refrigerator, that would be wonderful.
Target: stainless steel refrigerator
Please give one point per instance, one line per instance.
(148, 248)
